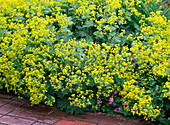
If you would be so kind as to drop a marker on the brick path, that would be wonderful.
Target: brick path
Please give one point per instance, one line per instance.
(14, 111)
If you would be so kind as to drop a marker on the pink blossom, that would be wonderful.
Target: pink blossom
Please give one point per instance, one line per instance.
(104, 106)
(115, 92)
(123, 104)
(134, 59)
(120, 72)
(161, 61)
(99, 113)
(99, 101)
(115, 110)
(134, 64)
(138, 77)
(111, 101)
(119, 108)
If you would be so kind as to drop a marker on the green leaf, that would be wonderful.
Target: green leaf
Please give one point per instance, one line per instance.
(166, 121)
(88, 24)
(83, 34)
(83, 17)
(135, 117)
(18, 18)
(126, 113)
(98, 35)
(47, 10)
(128, 16)
(63, 103)
(137, 27)
(167, 104)
(89, 39)
(65, 92)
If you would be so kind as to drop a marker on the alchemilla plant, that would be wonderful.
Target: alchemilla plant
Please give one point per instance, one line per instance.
(88, 55)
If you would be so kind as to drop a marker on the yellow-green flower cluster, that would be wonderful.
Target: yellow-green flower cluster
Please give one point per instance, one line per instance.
(40, 61)
(166, 90)
(143, 105)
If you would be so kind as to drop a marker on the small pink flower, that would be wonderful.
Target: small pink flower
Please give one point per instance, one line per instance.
(99, 113)
(134, 59)
(123, 104)
(120, 72)
(161, 61)
(115, 110)
(119, 108)
(104, 106)
(138, 77)
(140, 72)
(134, 64)
(134, 110)
(115, 92)
(99, 101)
(111, 101)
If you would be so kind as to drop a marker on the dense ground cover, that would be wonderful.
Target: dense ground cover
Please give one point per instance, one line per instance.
(88, 55)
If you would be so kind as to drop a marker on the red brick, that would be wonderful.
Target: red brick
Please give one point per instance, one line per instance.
(40, 109)
(15, 98)
(17, 103)
(72, 122)
(5, 96)
(15, 121)
(87, 117)
(111, 120)
(26, 113)
(3, 101)
(96, 113)
(9, 107)
(53, 116)
(48, 119)
(40, 123)
(132, 122)
(36, 116)
(57, 114)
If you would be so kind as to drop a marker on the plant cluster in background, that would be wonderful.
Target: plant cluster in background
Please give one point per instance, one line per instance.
(88, 55)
